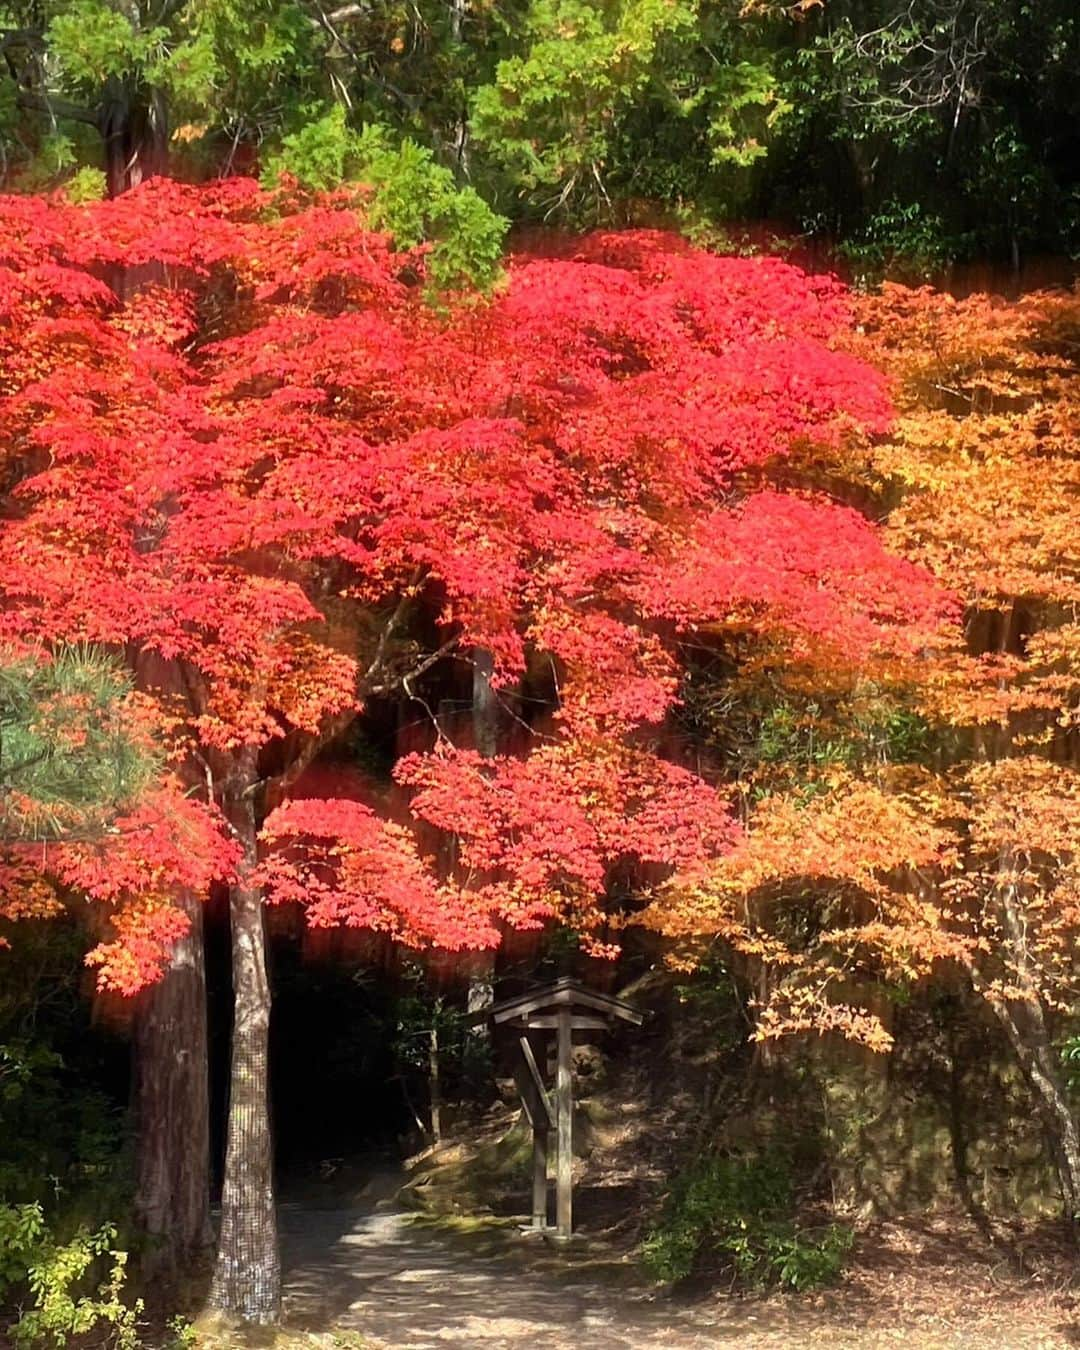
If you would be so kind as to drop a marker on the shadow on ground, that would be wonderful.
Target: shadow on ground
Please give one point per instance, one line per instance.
(405, 1286)
(384, 1275)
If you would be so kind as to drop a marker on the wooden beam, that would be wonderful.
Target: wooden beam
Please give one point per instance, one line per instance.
(578, 1022)
(528, 1105)
(540, 1176)
(534, 1097)
(564, 1110)
(564, 993)
(537, 1079)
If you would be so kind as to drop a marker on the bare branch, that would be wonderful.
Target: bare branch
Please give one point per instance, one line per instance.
(425, 665)
(933, 52)
(57, 107)
(345, 12)
(392, 627)
(21, 37)
(169, 10)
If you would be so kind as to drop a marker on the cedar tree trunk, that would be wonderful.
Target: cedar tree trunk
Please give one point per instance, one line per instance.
(135, 135)
(247, 1274)
(172, 1148)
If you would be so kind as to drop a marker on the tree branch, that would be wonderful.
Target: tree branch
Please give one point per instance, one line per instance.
(22, 37)
(57, 107)
(391, 628)
(344, 12)
(169, 9)
(277, 786)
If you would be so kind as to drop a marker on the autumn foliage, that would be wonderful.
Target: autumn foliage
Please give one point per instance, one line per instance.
(245, 448)
(863, 875)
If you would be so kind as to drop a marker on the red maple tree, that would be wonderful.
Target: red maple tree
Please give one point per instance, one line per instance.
(250, 456)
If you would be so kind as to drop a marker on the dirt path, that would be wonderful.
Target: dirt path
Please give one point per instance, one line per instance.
(412, 1290)
(407, 1288)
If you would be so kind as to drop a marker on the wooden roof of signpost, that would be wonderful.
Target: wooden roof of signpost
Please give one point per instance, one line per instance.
(529, 1009)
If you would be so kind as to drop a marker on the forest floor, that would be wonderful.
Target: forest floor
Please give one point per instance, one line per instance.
(405, 1285)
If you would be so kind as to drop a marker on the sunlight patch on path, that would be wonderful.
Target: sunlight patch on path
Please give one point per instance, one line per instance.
(411, 1291)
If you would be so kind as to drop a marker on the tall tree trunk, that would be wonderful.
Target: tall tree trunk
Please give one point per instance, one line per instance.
(135, 134)
(171, 1062)
(485, 727)
(1025, 1027)
(1024, 1023)
(172, 1149)
(434, 1077)
(485, 707)
(247, 1275)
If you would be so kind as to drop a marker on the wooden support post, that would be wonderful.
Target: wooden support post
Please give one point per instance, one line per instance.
(564, 1111)
(535, 1100)
(543, 1105)
(540, 1175)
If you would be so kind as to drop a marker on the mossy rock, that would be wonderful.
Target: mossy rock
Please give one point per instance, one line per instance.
(456, 1182)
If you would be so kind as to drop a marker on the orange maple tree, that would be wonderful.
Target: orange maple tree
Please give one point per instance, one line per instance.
(964, 856)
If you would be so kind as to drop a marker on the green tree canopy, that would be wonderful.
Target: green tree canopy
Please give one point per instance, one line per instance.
(932, 129)
(73, 750)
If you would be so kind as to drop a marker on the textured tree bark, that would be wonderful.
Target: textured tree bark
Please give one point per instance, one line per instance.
(247, 1274)
(485, 715)
(434, 1085)
(485, 726)
(135, 136)
(171, 1075)
(1026, 1029)
(1024, 1023)
(172, 1148)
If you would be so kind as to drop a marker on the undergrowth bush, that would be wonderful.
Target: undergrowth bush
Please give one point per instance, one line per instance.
(68, 1297)
(64, 1153)
(740, 1211)
(413, 197)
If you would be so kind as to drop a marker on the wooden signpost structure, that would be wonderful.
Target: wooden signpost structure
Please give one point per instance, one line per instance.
(563, 1007)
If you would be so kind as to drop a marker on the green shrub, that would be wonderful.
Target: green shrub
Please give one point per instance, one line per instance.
(86, 185)
(740, 1211)
(182, 1334)
(61, 1139)
(56, 1275)
(63, 1168)
(1070, 1058)
(901, 240)
(809, 1258)
(414, 199)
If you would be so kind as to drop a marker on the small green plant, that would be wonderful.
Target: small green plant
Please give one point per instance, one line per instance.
(740, 1210)
(901, 240)
(317, 155)
(1070, 1057)
(809, 1258)
(21, 1229)
(55, 157)
(56, 1275)
(873, 730)
(86, 185)
(182, 1335)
